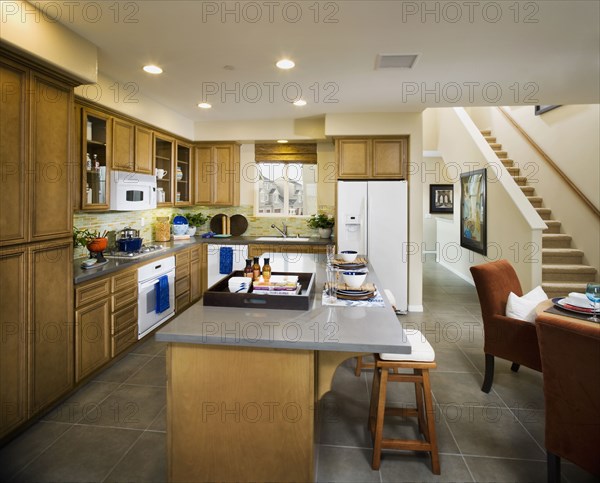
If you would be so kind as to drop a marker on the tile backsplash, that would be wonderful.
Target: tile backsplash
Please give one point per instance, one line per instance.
(117, 220)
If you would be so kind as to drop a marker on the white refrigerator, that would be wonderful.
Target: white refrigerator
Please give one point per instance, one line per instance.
(372, 218)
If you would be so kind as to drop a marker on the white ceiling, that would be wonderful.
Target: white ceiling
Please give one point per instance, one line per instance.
(550, 54)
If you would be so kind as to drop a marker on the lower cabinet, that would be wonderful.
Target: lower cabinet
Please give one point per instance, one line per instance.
(189, 276)
(36, 319)
(105, 320)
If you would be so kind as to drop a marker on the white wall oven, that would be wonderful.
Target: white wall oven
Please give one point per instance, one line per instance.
(156, 294)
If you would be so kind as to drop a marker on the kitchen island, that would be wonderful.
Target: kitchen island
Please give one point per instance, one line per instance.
(244, 384)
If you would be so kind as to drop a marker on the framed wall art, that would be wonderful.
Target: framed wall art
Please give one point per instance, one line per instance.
(441, 198)
(473, 211)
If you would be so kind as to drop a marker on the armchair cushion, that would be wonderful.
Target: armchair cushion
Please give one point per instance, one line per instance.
(523, 308)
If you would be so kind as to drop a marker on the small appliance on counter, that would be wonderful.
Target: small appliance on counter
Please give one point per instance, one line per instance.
(129, 240)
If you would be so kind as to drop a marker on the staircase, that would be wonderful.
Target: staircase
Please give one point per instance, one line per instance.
(563, 270)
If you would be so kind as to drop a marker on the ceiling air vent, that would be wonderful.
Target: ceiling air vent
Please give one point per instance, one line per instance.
(395, 61)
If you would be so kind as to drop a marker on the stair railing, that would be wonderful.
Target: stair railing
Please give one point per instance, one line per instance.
(549, 160)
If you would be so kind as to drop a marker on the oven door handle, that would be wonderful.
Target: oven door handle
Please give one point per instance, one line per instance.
(152, 282)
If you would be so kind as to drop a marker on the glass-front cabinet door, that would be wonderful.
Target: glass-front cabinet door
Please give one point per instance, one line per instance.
(183, 175)
(95, 138)
(163, 158)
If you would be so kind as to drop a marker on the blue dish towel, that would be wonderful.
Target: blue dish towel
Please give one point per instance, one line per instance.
(225, 260)
(162, 294)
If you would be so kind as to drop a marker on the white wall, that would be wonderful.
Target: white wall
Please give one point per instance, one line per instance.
(513, 226)
(434, 174)
(40, 35)
(374, 124)
(569, 135)
(260, 130)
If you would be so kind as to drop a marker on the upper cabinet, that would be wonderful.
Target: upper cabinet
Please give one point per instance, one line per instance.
(183, 174)
(163, 159)
(35, 150)
(122, 145)
(95, 139)
(144, 143)
(217, 174)
(372, 158)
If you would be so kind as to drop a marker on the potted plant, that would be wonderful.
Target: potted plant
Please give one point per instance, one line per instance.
(323, 222)
(196, 220)
(90, 239)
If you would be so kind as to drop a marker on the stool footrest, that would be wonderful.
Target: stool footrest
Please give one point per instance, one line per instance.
(405, 444)
(403, 412)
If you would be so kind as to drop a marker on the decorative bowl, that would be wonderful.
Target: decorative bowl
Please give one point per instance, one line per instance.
(348, 255)
(354, 279)
(97, 244)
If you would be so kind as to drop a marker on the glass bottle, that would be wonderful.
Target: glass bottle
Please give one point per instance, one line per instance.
(248, 272)
(256, 270)
(266, 270)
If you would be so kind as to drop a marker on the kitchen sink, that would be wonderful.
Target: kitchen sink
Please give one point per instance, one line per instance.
(289, 239)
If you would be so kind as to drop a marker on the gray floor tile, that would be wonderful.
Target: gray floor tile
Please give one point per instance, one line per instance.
(154, 373)
(347, 384)
(85, 453)
(124, 368)
(523, 389)
(461, 389)
(343, 421)
(405, 467)
(499, 470)
(88, 397)
(25, 448)
(345, 465)
(146, 461)
(452, 360)
(491, 431)
(151, 347)
(533, 421)
(128, 407)
(160, 421)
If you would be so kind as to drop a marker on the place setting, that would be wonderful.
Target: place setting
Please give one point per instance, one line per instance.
(582, 306)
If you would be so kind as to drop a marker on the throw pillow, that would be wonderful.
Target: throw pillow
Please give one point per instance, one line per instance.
(523, 308)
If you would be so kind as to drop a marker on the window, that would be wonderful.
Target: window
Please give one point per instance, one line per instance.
(286, 189)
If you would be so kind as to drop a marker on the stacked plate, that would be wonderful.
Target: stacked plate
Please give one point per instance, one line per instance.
(358, 264)
(239, 284)
(364, 292)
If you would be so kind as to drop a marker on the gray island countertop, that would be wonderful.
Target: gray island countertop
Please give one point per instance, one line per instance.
(322, 327)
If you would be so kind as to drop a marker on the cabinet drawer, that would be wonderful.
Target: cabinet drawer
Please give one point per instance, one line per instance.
(92, 292)
(195, 253)
(182, 285)
(124, 280)
(123, 340)
(181, 302)
(124, 297)
(124, 319)
(182, 264)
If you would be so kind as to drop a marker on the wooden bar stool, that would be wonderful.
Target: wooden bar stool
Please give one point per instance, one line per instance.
(420, 361)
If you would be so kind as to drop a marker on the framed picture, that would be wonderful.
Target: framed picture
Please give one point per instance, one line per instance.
(542, 109)
(473, 211)
(441, 198)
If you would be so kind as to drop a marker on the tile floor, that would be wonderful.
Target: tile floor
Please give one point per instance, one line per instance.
(113, 428)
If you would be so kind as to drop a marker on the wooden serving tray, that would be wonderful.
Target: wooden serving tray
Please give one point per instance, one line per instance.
(219, 295)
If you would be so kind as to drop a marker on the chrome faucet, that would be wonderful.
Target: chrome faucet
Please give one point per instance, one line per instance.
(284, 232)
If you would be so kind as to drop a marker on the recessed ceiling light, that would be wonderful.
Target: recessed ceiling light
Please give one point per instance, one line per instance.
(300, 103)
(204, 105)
(282, 141)
(285, 64)
(152, 69)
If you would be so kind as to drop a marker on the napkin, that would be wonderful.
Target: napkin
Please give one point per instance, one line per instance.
(578, 300)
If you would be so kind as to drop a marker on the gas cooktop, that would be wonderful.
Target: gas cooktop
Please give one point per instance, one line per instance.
(142, 252)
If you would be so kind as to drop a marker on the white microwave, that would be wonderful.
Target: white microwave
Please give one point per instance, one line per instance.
(132, 191)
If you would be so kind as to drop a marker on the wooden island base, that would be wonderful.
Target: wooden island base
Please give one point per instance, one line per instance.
(244, 414)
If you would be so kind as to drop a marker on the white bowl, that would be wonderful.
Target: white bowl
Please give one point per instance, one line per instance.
(348, 255)
(354, 279)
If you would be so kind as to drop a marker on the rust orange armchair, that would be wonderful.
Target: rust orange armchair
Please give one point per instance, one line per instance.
(504, 337)
(570, 353)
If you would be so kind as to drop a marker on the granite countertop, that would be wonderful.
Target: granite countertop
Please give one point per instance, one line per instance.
(322, 327)
(83, 275)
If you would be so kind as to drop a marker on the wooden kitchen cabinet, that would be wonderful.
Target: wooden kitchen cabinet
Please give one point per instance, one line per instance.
(163, 159)
(92, 337)
(196, 279)
(217, 175)
(95, 136)
(14, 344)
(183, 174)
(122, 146)
(144, 149)
(372, 158)
(190, 274)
